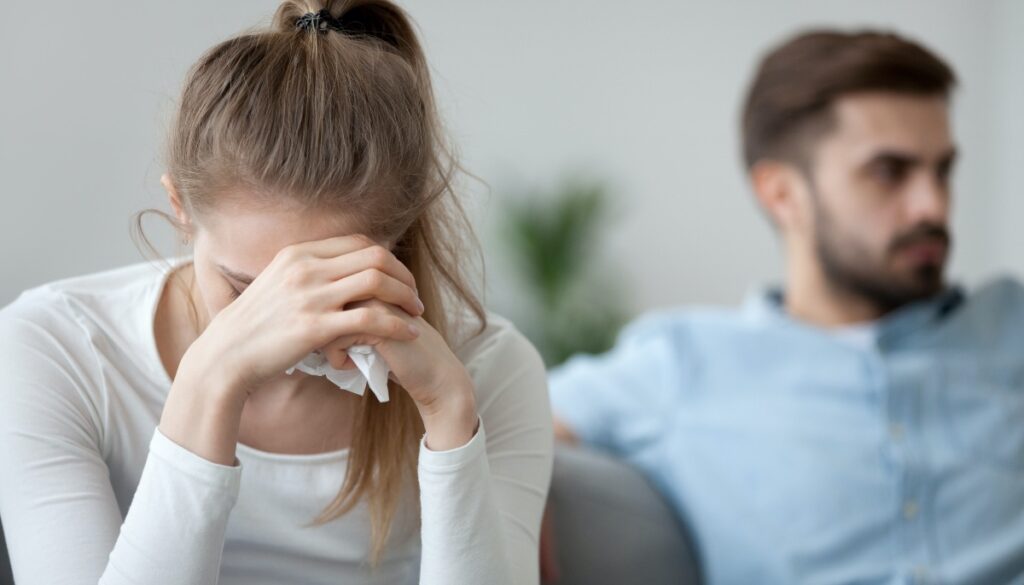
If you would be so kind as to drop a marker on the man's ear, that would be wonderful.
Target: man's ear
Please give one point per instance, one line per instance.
(176, 203)
(778, 187)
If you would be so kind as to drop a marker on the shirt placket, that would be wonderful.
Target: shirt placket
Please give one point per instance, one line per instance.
(907, 458)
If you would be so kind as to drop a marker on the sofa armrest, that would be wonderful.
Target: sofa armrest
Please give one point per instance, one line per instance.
(611, 526)
(5, 563)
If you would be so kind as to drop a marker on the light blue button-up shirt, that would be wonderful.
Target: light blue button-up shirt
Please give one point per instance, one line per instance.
(798, 456)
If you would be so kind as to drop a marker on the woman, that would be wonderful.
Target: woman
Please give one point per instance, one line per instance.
(150, 432)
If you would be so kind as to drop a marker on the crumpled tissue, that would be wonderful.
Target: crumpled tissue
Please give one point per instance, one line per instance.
(370, 369)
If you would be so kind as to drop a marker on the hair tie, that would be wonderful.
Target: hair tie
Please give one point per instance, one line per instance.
(321, 22)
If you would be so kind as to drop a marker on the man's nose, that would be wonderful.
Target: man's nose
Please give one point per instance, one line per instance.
(928, 200)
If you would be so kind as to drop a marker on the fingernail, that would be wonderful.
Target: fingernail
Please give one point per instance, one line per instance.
(419, 304)
(414, 330)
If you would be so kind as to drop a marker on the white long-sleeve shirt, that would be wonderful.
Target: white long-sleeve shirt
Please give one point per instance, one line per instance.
(91, 492)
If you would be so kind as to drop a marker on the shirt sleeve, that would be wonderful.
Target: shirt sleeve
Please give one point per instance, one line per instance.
(481, 503)
(618, 400)
(60, 515)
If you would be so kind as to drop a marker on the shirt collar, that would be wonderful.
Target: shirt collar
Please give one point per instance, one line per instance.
(767, 304)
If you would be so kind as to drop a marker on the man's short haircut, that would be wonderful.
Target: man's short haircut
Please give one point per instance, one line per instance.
(789, 103)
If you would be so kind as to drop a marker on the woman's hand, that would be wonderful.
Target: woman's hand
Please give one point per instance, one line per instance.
(430, 372)
(293, 307)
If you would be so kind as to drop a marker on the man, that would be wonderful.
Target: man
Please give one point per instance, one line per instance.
(864, 423)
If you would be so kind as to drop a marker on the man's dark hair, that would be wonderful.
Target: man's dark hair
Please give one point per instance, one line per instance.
(789, 103)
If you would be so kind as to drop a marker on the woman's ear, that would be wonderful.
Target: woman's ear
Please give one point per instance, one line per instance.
(177, 206)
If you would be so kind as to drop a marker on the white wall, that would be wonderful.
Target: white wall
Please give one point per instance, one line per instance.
(1008, 137)
(644, 94)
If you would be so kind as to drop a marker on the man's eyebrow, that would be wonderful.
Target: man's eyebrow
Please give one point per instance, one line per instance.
(242, 278)
(908, 158)
(894, 155)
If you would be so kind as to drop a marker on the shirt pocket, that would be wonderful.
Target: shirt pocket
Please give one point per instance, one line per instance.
(981, 404)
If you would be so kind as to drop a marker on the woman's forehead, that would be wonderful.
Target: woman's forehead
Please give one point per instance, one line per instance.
(261, 231)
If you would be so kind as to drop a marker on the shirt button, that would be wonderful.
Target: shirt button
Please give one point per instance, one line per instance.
(910, 510)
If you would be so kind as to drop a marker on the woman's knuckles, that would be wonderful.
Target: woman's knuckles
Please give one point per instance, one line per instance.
(373, 280)
(288, 254)
(300, 275)
(377, 256)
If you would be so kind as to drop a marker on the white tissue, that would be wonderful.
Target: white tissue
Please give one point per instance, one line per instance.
(370, 367)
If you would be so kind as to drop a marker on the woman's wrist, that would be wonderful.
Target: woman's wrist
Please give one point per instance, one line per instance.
(451, 420)
(203, 411)
(213, 370)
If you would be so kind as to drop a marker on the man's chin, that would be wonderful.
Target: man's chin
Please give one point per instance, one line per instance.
(896, 289)
(921, 282)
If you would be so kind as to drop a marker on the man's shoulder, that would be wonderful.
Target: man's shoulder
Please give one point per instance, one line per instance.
(994, 305)
(1003, 288)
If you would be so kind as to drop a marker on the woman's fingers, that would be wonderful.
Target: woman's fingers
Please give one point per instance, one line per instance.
(337, 355)
(337, 258)
(371, 284)
(372, 257)
(330, 247)
(363, 324)
(336, 351)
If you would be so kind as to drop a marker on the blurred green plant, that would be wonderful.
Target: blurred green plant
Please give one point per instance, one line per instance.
(576, 307)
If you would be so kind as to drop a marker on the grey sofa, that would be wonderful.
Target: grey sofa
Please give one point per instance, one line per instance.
(612, 527)
(5, 563)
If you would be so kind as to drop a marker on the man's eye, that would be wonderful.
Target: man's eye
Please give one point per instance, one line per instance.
(889, 172)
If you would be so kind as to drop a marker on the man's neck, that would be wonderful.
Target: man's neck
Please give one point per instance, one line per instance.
(828, 310)
(811, 298)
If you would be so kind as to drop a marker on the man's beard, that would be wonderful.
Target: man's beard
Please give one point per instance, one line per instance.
(851, 269)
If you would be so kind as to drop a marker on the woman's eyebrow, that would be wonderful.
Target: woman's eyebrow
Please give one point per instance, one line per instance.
(242, 278)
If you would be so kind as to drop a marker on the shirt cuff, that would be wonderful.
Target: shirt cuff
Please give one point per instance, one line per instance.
(457, 458)
(225, 477)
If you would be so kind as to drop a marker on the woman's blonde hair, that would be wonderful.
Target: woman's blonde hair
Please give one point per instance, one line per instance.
(340, 120)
